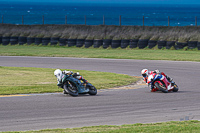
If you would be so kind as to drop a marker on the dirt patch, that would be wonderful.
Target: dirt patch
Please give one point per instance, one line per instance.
(139, 84)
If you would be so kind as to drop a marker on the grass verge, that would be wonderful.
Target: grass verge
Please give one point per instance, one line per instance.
(21, 80)
(143, 54)
(165, 127)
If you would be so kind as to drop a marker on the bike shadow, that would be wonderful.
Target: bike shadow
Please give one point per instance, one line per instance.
(80, 95)
(179, 92)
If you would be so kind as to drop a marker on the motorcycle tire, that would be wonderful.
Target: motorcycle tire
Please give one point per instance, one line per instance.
(71, 90)
(161, 88)
(175, 88)
(64, 92)
(92, 90)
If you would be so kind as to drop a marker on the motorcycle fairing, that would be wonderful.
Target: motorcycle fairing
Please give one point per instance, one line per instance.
(79, 85)
(155, 77)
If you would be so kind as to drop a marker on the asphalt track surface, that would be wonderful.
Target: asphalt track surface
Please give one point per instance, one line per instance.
(108, 107)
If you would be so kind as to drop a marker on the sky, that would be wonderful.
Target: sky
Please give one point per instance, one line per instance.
(114, 1)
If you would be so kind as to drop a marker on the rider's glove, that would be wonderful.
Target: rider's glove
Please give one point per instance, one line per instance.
(157, 71)
(59, 84)
(76, 74)
(149, 84)
(169, 79)
(67, 72)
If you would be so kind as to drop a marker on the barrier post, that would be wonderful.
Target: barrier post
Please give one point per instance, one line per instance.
(168, 21)
(195, 20)
(66, 19)
(103, 20)
(43, 19)
(120, 21)
(85, 19)
(22, 20)
(143, 20)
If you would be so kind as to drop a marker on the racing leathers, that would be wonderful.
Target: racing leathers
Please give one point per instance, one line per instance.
(75, 75)
(80, 77)
(148, 80)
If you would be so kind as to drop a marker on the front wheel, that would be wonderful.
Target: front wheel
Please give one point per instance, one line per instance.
(92, 90)
(71, 89)
(161, 88)
(175, 88)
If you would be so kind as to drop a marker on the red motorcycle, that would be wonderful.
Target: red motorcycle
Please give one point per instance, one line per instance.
(159, 82)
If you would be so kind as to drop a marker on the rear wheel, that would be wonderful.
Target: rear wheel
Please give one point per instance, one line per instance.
(175, 88)
(161, 87)
(71, 89)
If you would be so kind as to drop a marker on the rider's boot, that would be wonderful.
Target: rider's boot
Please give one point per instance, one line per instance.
(168, 78)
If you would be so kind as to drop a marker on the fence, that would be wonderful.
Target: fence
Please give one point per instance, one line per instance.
(143, 20)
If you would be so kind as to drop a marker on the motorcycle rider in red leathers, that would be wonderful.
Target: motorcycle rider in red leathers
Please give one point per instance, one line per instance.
(145, 73)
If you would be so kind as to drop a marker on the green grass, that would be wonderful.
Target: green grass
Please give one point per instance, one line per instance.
(165, 127)
(21, 80)
(40, 80)
(143, 54)
(16, 80)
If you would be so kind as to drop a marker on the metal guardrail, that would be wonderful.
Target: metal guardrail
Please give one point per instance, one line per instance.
(103, 20)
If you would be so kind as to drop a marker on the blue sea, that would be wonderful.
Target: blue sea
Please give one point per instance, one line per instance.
(131, 14)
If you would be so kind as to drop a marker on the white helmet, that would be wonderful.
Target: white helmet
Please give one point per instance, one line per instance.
(58, 74)
(144, 72)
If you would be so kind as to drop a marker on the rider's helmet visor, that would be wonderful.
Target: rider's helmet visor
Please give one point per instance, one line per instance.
(144, 75)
